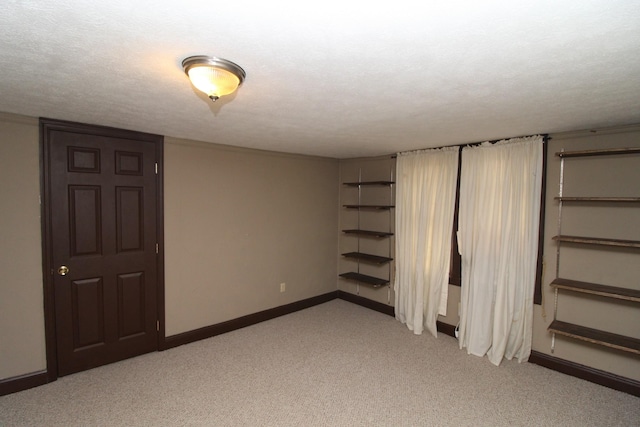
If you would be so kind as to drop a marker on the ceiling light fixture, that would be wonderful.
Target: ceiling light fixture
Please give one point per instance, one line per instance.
(214, 76)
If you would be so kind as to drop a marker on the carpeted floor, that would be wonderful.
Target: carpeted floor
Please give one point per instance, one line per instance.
(336, 364)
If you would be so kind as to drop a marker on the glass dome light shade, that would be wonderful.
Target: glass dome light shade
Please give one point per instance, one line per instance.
(214, 76)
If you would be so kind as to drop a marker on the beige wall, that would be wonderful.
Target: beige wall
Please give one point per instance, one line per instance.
(237, 224)
(592, 176)
(22, 348)
(240, 222)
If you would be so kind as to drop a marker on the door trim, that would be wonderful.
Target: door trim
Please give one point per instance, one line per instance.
(46, 126)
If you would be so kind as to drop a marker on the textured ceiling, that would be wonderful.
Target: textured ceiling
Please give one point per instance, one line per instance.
(338, 79)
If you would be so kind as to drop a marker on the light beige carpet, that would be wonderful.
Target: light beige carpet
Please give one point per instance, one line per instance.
(336, 364)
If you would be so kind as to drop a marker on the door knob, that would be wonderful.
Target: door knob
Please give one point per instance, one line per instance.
(63, 270)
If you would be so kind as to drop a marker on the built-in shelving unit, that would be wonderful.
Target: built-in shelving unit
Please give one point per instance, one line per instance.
(360, 256)
(614, 294)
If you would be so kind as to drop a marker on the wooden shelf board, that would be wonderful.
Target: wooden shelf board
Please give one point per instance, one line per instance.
(597, 289)
(601, 152)
(599, 199)
(598, 241)
(369, 233)
(374, 207)
(367, 257)
(363, 278)
(596, 336)
(364, 183)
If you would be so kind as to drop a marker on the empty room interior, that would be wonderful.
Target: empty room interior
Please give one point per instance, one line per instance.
(207, 213)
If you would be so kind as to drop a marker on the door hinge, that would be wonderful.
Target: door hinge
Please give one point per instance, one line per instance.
(156, 169)
(157, 326)
(157, 248)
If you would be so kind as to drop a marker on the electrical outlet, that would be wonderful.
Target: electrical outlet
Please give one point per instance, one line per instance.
(283, 287)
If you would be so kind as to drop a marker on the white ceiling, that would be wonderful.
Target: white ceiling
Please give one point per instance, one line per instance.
(330, 78)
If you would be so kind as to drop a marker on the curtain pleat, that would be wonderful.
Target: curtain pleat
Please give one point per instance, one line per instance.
(425, 203)
(499, 213)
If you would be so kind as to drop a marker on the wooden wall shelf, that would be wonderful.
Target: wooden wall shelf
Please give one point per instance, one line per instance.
(602, 152)
(368, 233)
(598, 241)
(364, 279)
(596, 336)
(597, 289)
(599, 199)
(368, 183)
(374, 259)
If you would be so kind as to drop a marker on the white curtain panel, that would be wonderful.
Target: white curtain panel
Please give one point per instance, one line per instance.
(425, 203)
(498, 227)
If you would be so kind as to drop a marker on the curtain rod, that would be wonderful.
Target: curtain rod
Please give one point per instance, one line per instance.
(545, 138)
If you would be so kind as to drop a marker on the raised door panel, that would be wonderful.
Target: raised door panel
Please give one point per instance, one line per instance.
(85, 220)
(129, 219)
(88, 313)
(131, 304)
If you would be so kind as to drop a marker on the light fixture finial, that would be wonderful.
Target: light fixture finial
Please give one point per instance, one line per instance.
(214, 76)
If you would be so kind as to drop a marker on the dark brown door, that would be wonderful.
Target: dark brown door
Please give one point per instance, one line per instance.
(103, 226)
